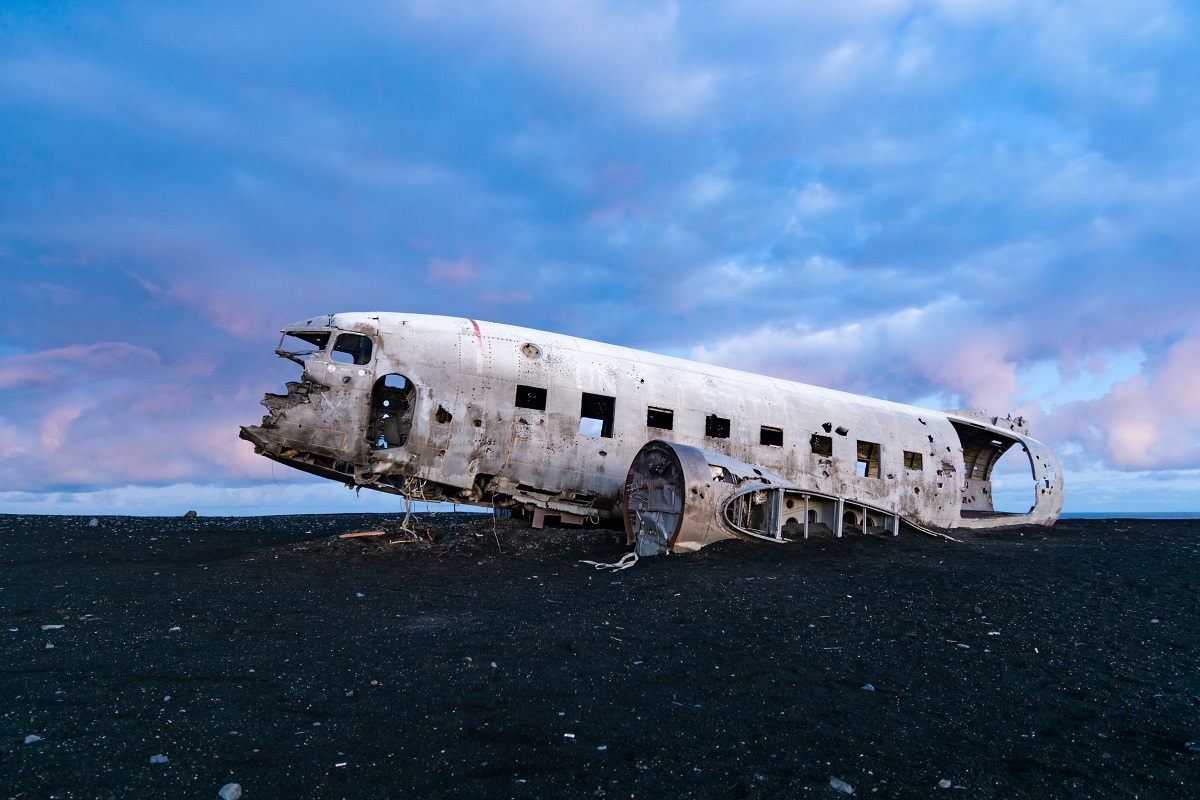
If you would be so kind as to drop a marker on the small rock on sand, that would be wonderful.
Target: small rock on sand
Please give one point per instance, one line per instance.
(841, 785)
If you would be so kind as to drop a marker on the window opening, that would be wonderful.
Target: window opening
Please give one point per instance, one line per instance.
(663, 418)
(867, 465)
(596, 415)
(822, 445)
(716, 427)
(531, 397)
(770, 437)
(912, 460)
(351, 348)
(299, 346)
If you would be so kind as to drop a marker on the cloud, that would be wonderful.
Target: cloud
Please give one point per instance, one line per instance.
(919, 200)
(1150, 421)
(902, 356)
(625, 56)
(112, 414)
(441, 270)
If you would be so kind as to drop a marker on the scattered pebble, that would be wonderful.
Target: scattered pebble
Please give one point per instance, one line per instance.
(841, 785)
(1191, 747)
(964, 646)
(49, 646)
(943, 784)
(868, 687)
(51, 627)
(230, 791)
(359, 595)
(493, 665)
(93, 523)
(602, 748)
(31, 738)
(159, 759)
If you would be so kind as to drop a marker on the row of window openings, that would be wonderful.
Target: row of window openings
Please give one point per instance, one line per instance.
(596, 414)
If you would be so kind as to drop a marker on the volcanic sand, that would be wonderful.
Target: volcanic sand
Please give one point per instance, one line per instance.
(485, 660)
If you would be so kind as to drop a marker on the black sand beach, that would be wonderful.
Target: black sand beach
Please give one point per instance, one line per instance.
(269, 653)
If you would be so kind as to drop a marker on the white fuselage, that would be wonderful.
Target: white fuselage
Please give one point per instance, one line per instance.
(493, 412)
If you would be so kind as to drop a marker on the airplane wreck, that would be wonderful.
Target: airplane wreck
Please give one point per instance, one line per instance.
(685, 454)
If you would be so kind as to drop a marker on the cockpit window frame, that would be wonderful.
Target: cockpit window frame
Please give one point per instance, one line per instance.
(360, 357)
(319, 340)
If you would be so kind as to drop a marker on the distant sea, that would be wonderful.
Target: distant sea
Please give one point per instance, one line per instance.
(1131, 515)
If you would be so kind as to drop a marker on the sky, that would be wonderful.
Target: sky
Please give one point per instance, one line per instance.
(950, 203)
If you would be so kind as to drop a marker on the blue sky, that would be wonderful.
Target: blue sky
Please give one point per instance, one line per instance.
(954, 204)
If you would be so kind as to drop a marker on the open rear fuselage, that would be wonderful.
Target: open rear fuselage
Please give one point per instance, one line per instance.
(442, 408)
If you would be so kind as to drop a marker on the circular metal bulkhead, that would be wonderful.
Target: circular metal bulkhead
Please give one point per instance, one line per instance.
(670, 500)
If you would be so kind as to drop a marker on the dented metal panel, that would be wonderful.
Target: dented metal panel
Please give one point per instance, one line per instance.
(442, 408)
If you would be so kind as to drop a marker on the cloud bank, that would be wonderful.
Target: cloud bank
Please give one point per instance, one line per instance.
(965, 203)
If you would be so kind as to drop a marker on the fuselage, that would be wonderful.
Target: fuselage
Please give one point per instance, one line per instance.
(454, 409)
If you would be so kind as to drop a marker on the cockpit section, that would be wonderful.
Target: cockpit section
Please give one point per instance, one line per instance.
(336, 412)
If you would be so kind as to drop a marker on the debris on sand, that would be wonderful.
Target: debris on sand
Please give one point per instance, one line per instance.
(943, 784)
(159, 759)
(190, 515)
(93, 523)
(230, 791)
(31, 738)
(841, 785)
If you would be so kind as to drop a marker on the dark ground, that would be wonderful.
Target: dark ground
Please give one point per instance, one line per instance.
(1034, 663)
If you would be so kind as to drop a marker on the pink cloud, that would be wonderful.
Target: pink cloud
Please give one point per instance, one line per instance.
(236, 315)
(444, 271)
(67, 364)
(1150, 421)
(53, 428)
(981, 370)
(111, 413)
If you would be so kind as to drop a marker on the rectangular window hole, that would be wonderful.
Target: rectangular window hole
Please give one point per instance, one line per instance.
(531, 397)
(912, 460)
(350, 348)
(770, 437)
(867, 465)
(716, 427)
(822, 445)
(596, 414)
(663, 418)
